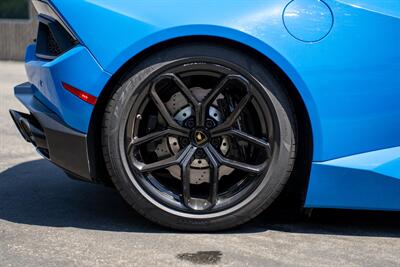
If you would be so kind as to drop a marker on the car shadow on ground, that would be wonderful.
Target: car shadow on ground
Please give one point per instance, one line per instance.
(38, 193)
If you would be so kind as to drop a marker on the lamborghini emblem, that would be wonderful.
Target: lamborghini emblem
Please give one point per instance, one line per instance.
(200, 137)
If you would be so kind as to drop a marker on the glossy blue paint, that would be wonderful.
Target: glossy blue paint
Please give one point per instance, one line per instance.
(76, 67)
(342, 56)
(308, 21)
(364, 181)
(384, 7)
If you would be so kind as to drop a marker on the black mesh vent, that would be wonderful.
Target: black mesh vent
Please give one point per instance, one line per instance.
(52, 45)
(52, 39)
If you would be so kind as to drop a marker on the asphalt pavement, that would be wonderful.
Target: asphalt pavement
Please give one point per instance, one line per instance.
(47, 219)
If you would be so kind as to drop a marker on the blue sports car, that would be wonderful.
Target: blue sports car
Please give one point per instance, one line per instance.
(200, 113)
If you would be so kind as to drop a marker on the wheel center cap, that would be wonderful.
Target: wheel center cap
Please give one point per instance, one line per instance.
(200, 137)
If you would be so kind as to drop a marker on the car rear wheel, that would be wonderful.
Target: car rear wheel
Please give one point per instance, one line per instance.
(199, 137)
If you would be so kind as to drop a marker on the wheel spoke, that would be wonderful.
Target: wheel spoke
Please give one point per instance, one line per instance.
(251, 139)
(215, 92)
(236, 164)
(185, 176)
(214, 174)
(182, 87)
(212, 95)
(165, 163)
(164, 111)
(186, 92)
(230, 120)
(136, 141)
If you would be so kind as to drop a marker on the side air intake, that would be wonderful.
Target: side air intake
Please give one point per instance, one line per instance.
(53, 37)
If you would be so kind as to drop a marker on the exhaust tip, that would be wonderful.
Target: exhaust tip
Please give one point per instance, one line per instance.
(30, 129)
(23, 129)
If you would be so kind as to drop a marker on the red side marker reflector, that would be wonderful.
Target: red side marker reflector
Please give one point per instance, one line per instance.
(88, 98)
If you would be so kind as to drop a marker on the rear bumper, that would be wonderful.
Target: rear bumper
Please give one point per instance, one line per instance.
(52, 138)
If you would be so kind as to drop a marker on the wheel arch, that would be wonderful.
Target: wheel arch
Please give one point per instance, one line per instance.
(300, 175)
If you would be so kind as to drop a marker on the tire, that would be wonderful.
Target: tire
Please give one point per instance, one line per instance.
(223, 209)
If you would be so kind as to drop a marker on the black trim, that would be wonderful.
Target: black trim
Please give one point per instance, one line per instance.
(62, 145)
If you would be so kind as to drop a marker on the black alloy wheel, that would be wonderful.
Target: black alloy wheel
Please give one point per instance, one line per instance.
(197, 142)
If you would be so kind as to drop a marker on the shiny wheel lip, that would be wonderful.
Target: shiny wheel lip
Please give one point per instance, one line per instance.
(135, 173)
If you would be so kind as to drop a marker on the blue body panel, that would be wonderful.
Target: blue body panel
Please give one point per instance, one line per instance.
(343, 56)
(365, 181)
(76, 67)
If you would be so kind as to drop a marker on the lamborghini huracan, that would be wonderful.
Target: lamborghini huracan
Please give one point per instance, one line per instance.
(200, 113)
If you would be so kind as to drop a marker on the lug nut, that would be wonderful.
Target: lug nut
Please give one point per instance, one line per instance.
(190, 123)
(215, 142)
(200, 153)
(210, 123)
(184, 141)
